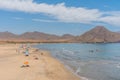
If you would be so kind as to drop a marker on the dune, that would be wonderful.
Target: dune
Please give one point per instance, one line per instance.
(42, 66)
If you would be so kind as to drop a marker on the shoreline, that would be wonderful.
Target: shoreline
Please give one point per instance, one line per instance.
(53, 41)
(42, 65)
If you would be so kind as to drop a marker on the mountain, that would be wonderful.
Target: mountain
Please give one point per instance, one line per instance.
(31, 37)
(67, 36)
(38, 36)
(99, 34)
(7, 35)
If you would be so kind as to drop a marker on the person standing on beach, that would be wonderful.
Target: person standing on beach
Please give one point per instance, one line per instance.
(27, 52)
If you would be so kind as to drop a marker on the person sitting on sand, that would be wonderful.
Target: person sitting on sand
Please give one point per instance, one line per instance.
(26, 64)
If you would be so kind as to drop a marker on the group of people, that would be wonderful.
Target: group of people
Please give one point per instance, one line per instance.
(25, 47)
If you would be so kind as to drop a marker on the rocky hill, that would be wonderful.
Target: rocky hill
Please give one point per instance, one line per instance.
(95, 35)
(33, 37)
(7, 36)
(99, 34)
(38, 36)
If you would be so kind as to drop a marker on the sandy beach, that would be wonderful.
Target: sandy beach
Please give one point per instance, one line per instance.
(41, 65)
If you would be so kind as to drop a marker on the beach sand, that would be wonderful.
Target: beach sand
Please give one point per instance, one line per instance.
(41, 65)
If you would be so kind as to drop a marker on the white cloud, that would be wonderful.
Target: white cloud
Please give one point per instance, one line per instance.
(61, 12)
(43, 20)
(17, 18)
(114, 20)
(106, 6)
(112, 13)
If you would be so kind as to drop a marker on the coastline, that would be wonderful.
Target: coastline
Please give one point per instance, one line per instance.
(42, 65)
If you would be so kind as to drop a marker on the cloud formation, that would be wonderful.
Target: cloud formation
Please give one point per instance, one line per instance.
(18, 18)
(61, 12)
(43, 20)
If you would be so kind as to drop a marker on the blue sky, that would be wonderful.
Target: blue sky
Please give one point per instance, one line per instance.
(58, 16)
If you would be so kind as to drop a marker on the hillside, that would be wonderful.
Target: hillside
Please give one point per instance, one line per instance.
(33, 37)
(38, 36)
(7, 36)
(99, 34)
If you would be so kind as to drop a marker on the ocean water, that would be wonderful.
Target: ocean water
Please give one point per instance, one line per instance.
(91, 61)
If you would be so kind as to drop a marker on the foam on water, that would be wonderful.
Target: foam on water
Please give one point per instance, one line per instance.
(78, 70)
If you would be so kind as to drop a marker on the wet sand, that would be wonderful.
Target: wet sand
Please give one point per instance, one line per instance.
(41, 65)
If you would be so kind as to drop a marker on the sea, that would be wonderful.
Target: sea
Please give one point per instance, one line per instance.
(98, 61)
